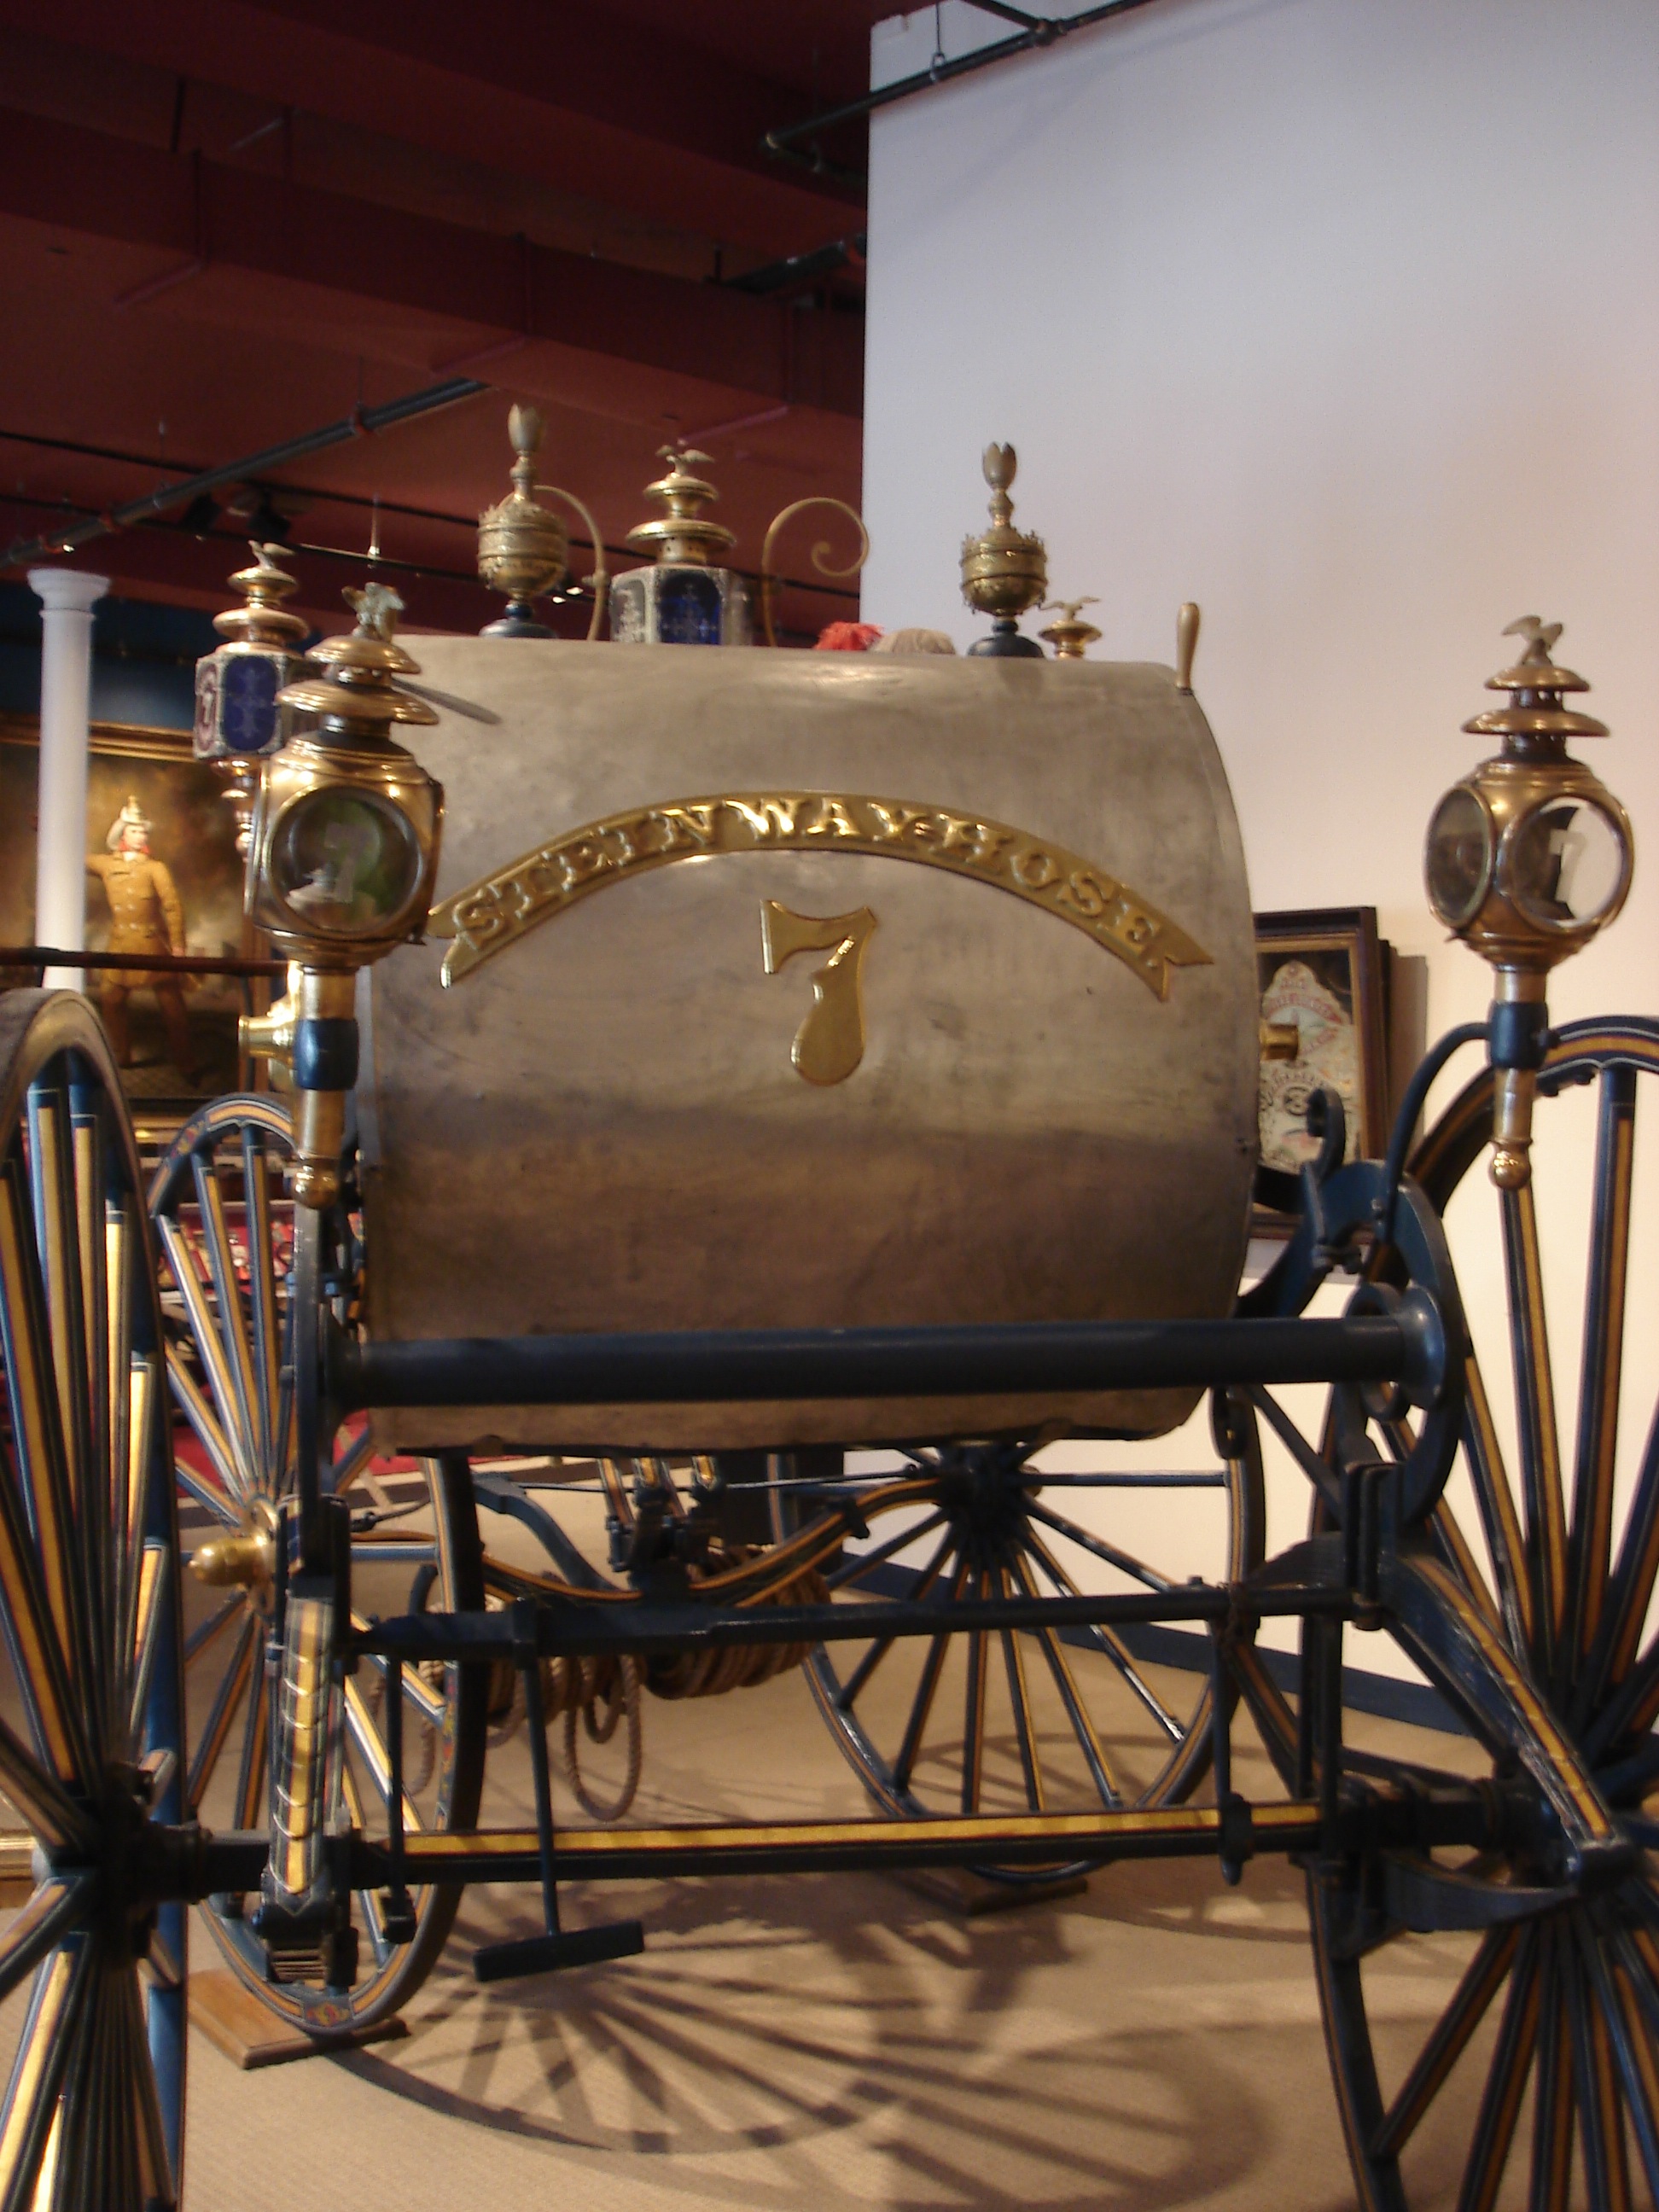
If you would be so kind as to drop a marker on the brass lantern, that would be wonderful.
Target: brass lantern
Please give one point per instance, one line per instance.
(239, 720)
(1526, 860)
(684, 599)
(344, 852)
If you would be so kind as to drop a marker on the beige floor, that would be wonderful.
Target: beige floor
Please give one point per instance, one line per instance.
(844, 2042)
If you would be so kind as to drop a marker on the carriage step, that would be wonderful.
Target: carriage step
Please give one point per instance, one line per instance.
(544, 1954)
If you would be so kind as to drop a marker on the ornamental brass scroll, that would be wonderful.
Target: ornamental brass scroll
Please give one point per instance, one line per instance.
(829, 1043)
(487, 916)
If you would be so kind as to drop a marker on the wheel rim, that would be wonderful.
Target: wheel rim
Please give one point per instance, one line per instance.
(1540, 2073)
(1047, 1721)
(94, 2110)
(222, 1221)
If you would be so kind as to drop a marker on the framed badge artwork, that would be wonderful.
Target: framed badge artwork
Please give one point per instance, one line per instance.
(1322, 974)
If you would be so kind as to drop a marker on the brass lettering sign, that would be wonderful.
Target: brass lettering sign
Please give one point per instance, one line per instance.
(487, 916)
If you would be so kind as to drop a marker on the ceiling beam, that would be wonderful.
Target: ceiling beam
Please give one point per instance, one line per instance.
(572, 96)
(607, 335)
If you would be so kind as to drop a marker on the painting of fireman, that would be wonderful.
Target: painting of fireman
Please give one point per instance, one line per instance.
(146, 915)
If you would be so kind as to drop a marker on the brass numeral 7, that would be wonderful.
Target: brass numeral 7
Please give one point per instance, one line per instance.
(829, 1043)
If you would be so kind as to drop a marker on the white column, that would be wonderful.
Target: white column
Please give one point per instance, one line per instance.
(67, 597)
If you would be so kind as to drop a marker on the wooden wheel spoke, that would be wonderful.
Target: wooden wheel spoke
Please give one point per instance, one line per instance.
(1108, 1644)
(1633, 2047)
(58, 1907)
(222, 1492)
(87, 1140)
(1536, 1422)
(235, 1337)
(1318, 1471)
(1013, 1659)
(362, 1732)
(251, 1767)
(37, 1581)
(354, 1459)
(431, 1705)
(154, 1591)
(862, 1565)
(58, 1241)
(373, 1919)
(57, 2008)
(122, 1247)
(1500, 1522)
(926, 1689)
(1125, 1562)
(1445, 2047)
(1590, 1540)
(53, 1816)
(263, 1297)
(1553, 2103)
(217, 1728)
(223, 1387)
(1600, 2117)
(207, 1631)
(154, 2160)
(1083, 1728)
(847, 1696)
(1453, 1548)
(973, 1719)
(1630, 1594)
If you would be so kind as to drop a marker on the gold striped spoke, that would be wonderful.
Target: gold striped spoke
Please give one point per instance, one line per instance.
(38, 1577)
(241, 1671)
(236, 1456)
(1602, 1363)
(57, 2007)
(1500, 1520)
(1536, 1423)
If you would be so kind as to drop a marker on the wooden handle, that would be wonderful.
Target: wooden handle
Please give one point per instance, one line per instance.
(1187, 624)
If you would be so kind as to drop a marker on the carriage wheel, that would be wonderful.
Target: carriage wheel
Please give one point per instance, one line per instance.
(225, 1232)
(961, 1723)
(1547, 2055)
(92, 1743)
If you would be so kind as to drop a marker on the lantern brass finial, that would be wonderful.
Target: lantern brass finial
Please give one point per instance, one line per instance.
(522, 547)
(1004, 570)
(1526, 860)
(1070, 636)
(682, 532)
(263, 619)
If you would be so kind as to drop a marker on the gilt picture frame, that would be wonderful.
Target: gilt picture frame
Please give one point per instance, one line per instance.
(191, 832)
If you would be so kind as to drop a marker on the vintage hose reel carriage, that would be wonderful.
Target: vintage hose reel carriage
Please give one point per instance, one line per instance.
(834, 1055)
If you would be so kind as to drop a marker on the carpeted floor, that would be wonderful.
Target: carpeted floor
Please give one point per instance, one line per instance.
(831, 2043)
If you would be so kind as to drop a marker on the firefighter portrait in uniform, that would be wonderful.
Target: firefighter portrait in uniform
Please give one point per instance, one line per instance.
(146, 915)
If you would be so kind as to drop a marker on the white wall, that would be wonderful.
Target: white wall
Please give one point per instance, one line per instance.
(1342, 318)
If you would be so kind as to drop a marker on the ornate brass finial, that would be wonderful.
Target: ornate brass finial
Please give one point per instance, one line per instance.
(263, 620)
(1004, 570)
(682, 532)
(522, 548)
(1526, 860)
(1070, 636)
